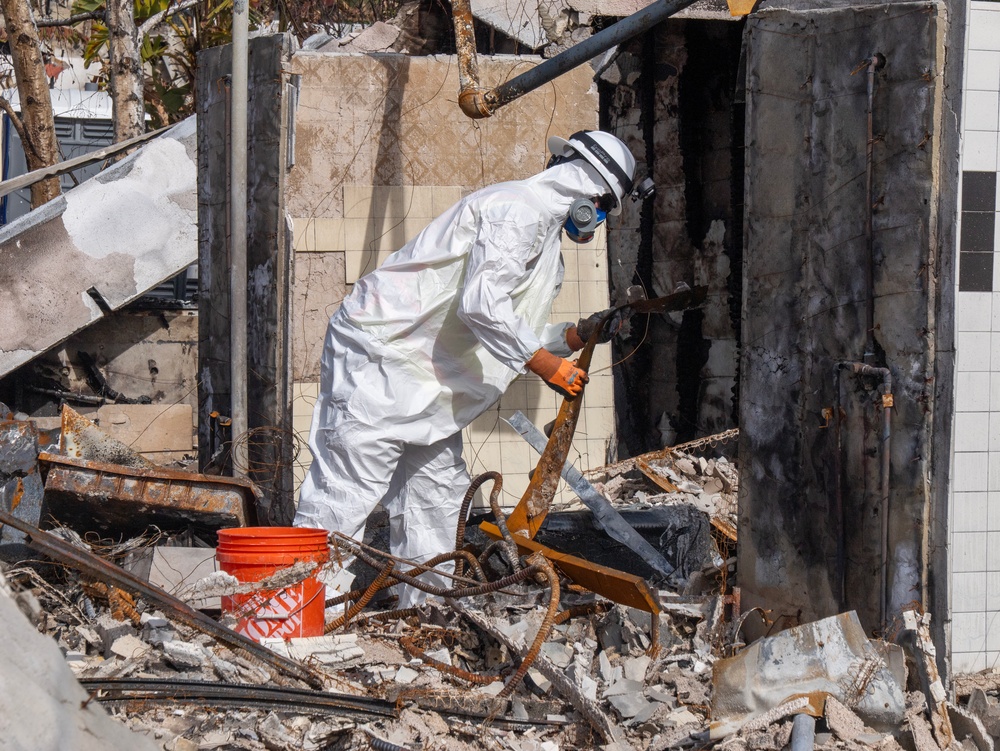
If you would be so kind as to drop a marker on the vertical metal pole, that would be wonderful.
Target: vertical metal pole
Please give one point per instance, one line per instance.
(238, 236)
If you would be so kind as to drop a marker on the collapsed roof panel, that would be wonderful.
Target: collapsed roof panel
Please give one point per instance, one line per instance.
(99, 246)
(516, 19)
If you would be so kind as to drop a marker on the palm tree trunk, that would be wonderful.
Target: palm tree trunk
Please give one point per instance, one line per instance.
(38, 131)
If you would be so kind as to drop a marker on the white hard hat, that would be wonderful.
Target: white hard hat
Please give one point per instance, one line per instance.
(609, 155)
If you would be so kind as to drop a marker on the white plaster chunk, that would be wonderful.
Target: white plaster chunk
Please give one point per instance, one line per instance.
(183, 654)
(490, 689)
(129, 646)
(630, 704)
(543, 683)
(559, 655)
(405, 675)
(635, 668)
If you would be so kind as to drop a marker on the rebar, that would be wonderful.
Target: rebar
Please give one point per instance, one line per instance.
(510, 546)
(406, 642)
(587, 608)
(463, 513)
(424, 586)
(536, 561)
(387, 615)
(344, 618)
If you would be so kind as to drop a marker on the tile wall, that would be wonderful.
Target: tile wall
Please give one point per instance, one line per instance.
(377, 220)
(975, 507)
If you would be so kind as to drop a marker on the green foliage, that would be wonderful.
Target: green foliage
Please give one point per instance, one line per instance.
(169, 52)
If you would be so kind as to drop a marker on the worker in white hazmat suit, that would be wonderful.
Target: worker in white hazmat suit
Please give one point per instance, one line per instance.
(430, 340)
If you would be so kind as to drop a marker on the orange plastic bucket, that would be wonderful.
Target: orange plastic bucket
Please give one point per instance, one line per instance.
(254, 553)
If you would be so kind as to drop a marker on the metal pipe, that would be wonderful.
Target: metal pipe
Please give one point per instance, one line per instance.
(803, 732)
(477, 102)
(887, 402)
(238, 236)
(875, 63)
(838, 469)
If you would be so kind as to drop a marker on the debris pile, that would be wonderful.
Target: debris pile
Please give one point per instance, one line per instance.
(515, 653)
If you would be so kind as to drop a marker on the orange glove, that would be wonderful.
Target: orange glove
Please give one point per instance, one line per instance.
(561, 375)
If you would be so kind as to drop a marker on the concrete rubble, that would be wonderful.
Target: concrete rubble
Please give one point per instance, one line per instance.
(526, 667)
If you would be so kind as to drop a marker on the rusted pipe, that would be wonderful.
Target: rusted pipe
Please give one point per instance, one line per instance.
(478, 102)
(874, 64)
(470, 93)
(863, 369)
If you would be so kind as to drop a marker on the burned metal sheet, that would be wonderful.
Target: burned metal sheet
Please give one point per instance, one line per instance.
(20, 482)
(118, 501)
(99, 246)
(81, 438)
(617, 586)
(832, 656)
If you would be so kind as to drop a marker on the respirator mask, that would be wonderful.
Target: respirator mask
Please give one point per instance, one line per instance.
(583, 220)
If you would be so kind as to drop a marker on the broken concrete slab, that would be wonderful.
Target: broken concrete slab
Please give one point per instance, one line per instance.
(184, 655)
(966, 725)
(514, 18)
(822, 657)
(405, 675)
(329, 649)
(988, 711)
(43, 706)
(129, 646)
(99, 246)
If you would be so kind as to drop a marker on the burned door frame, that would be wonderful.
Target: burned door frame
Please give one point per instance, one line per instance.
(269, 440)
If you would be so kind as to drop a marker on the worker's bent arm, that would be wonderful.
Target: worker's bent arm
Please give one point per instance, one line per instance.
(498, 264)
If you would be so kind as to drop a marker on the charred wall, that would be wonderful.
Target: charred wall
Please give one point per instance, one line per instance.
(671, 97)
(811, 443)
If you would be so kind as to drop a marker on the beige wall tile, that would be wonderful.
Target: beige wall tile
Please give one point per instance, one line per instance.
(358, 201)
(359, 233)
(566, 306)
(444, 197)
(426, 158)
(318, 235)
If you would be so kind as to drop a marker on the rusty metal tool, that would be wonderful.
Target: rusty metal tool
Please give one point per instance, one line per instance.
(530, 512)
(607, 517)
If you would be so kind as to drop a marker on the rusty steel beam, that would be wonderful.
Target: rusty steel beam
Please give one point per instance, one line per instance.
(617, 586)
(534, 505)
(113, 499)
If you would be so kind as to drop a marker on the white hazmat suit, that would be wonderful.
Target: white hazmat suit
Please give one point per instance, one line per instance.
(425, 344)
